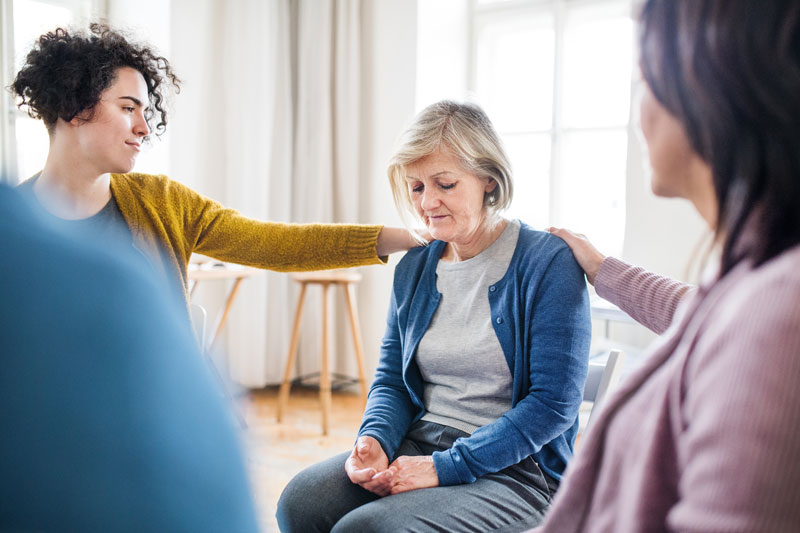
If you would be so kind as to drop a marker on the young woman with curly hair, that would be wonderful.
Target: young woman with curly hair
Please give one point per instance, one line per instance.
(101, 96)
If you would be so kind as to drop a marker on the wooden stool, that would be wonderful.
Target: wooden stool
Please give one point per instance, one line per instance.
(346, 280)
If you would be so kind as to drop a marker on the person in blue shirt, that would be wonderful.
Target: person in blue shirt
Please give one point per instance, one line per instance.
(109, 418)
(473, 413)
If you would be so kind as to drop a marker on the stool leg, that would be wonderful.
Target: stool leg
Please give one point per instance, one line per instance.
(286, 384)
(355, 329)
(325, 377)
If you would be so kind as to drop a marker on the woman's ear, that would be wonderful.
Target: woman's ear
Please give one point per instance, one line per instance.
(490, 185)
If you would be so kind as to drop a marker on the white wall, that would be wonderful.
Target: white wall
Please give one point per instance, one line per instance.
(196, 151)
(661, 234)
(443, 27)
(147, 21)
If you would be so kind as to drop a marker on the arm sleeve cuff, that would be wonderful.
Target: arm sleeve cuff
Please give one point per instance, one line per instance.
(451, 469)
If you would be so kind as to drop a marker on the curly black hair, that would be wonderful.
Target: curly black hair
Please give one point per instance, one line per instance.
(65, 73)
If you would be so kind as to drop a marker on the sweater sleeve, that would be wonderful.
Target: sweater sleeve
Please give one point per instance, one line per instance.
(389, 410)
(558, 334)
(739, 448)
(225, 234)
(648, 298)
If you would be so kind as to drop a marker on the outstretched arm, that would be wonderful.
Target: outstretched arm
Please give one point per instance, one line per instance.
(214, 230)
(391, 240)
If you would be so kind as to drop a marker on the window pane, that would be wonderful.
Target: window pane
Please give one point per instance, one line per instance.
(514, 73)
(591, 186)
(32, 19)
(32, 146)
(530, 165)
(598, 61)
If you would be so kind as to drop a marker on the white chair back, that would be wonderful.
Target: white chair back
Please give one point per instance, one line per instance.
(601, 379)
(199, 316)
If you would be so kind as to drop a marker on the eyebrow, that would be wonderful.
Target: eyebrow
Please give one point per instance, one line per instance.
(132, 99)
(434, 176)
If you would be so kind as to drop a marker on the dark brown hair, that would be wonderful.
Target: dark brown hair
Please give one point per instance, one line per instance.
(729, 70)
(65, 73)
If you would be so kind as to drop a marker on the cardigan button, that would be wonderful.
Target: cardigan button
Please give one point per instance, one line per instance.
(499, 320)
(492, 288)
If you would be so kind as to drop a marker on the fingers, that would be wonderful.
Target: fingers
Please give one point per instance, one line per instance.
(367, 447)
(567, 235)
(380, 483)
(362, 450)
(360, 476)
(356, 466)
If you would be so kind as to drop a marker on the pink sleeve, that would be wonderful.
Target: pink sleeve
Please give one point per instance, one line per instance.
(648, 298)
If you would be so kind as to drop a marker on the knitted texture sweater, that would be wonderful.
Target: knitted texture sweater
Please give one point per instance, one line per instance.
(540, 314)
(170, 221)
(703, 437)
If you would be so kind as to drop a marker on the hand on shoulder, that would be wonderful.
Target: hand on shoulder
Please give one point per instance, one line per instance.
(588, 257)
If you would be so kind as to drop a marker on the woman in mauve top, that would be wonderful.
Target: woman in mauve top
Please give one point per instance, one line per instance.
(705, 436)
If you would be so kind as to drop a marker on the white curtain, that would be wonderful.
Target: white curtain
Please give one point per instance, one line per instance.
(326, 176)
(290, 74)
(286, 115)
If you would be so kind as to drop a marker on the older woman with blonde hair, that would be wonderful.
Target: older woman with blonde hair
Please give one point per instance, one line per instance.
(472, 415)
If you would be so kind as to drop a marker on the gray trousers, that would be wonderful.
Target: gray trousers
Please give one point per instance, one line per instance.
(322, 497)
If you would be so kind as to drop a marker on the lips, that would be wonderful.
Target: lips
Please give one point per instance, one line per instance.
(136, 146)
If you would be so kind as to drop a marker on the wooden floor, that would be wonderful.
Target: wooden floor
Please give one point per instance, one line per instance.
(276, 452)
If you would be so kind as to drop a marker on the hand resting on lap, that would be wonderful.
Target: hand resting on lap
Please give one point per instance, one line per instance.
(368, 466)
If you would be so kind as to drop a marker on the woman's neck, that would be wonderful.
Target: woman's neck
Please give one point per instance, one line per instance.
(490, 231)
(69, 190)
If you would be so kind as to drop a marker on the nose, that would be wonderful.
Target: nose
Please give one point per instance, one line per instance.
(430, 199)
(140, 127)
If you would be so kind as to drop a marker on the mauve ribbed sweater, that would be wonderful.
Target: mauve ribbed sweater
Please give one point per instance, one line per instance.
(706, 435)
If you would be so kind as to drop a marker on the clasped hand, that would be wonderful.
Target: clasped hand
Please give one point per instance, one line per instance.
(368, 466)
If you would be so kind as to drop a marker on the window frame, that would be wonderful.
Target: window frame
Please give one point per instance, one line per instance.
(82, 10)
(483, 15)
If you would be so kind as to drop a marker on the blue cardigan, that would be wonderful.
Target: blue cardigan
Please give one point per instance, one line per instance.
(540, 313)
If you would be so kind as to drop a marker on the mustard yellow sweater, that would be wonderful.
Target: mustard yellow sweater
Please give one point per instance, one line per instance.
(169, 221)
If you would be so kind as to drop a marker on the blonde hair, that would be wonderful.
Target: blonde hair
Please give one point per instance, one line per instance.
(464, 130)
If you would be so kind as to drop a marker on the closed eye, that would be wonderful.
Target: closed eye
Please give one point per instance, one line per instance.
(420, 187)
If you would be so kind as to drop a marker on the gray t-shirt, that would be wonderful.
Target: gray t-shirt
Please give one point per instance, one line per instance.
(107, 225)
(467, 379)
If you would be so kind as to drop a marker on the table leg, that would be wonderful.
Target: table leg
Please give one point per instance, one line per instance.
(224, 317)
(286, 384)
